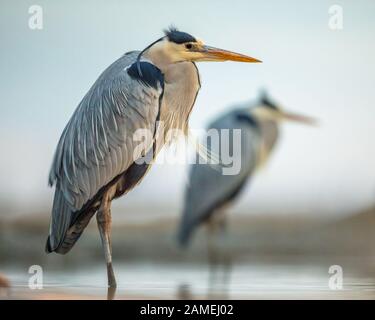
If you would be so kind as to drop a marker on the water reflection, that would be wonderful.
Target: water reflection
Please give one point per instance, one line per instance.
(111, 293)
(184, 292)
(294, 278)
(220, 267)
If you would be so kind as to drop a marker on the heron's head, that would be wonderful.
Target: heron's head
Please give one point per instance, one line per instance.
(177, 46)
(267, 110)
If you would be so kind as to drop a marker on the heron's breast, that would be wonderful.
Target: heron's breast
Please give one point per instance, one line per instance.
(180, 91)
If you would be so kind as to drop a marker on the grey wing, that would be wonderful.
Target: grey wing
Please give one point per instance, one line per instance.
(209, 188)
(97, 144)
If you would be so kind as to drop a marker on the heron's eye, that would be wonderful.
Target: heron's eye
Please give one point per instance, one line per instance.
(188, 46)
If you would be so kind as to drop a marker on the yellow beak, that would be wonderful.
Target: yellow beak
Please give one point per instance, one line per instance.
(215, 54)
(298, 118)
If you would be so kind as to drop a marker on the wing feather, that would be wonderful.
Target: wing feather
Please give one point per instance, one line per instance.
(208, 187)
(97, 144)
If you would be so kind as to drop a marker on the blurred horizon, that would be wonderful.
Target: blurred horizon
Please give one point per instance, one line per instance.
(306, 67)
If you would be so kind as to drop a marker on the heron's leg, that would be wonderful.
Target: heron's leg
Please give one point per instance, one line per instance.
(216, 232)
(211, 227)
(226, 259)
(104, 220)
(111, 292)
(211, 249)
(217, 229)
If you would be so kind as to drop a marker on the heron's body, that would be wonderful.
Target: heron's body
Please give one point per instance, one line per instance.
(209, 190)
(98, 157)
(93, 152)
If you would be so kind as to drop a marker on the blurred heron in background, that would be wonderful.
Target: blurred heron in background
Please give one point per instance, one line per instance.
(209, 191)
(97, 158)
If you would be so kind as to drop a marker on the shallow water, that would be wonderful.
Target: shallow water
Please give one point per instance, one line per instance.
(197, 281)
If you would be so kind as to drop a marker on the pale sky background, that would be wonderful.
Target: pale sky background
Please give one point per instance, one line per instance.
(307, 68)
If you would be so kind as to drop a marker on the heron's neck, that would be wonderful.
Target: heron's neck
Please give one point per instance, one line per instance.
(180, 90)
(181, 85)
(159, 55)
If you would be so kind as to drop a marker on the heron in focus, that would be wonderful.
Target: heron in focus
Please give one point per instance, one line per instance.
(209, 191)
(97, 157)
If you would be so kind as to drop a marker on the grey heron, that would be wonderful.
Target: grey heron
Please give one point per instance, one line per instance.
(96, 159)
(209, 191)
